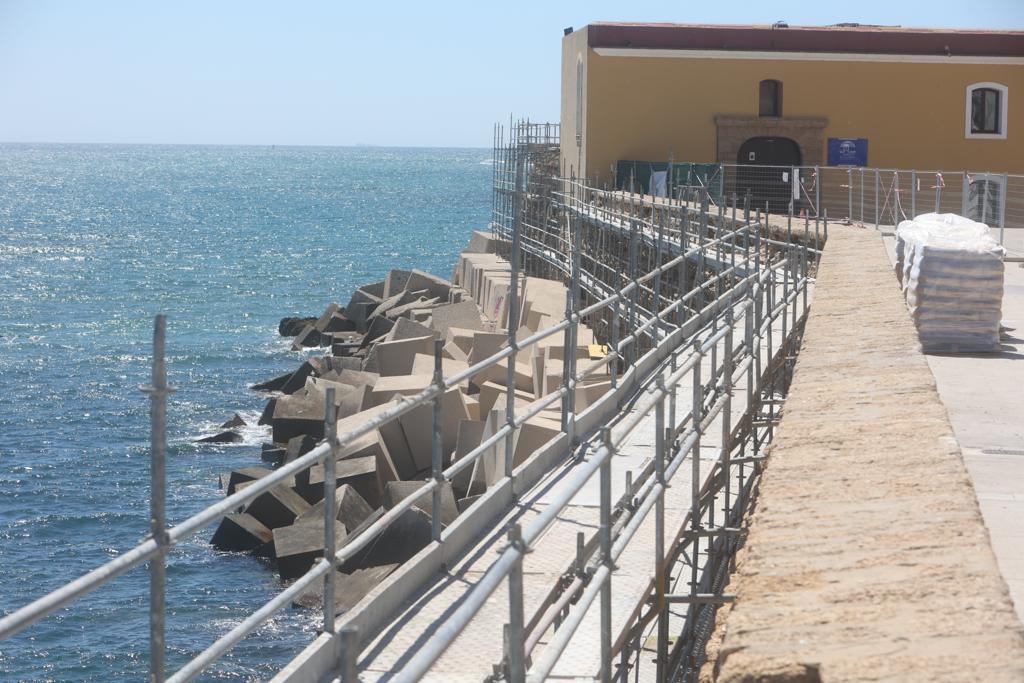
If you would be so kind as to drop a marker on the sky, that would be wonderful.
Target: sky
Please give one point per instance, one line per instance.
(312, 72)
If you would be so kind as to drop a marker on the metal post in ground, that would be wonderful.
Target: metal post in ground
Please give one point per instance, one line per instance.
(347, 662)
(613, 366)
(939, 183)
(606, 556)
(513, 319)
(660, 584)
(862, 196)
(330, 510)
(697, 412)
(727, 368)
(913, 193)
(157, 390)
(876, 199)
(817, 194)
(515, 653)
(436, 465)
(849, 193)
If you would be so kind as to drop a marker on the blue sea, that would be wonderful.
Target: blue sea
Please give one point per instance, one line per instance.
(94, 241)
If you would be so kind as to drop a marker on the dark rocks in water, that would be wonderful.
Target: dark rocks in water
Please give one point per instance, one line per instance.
(235, 421)
(267, 416)
(223, 437)
(241, 532)
(289, 327)
(275, 384)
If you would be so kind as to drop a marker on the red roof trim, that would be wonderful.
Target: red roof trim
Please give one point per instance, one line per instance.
(859, 39)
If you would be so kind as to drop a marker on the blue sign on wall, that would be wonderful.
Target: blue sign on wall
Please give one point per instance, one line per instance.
(847, 151)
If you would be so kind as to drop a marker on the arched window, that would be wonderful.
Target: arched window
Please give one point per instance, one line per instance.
(985, 115)
(770, 98)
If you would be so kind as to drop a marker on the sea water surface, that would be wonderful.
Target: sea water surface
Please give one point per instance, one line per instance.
(94, 241)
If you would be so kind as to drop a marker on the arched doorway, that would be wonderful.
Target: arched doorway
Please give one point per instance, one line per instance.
(765, 166)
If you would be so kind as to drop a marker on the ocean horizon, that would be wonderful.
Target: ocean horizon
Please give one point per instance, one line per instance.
(96, 239)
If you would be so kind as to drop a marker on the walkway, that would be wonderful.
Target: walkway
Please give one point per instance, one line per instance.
(867, 557)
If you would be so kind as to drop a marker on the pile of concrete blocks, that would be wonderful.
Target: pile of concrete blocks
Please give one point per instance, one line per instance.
(392, 330)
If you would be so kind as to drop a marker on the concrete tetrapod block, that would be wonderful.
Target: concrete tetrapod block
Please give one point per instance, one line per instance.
(339, 323)
(423, 364)
(397, 491)
(349, 589)
(438, 287)
(275, 384)
(277, 507)
(299, 413)
(453, 351)
(325, 317)
(350, 508)
(396, 281)
(588, 394)
(298, 546)
(392, 436)
(462, 339)
(464, 316)
(356, 401)
(409, 329)
(408, 310)
(360, 473)
(472, 406)
(395, 357)
(378, 328)
(388, 388)
(240, 533)
(298, 446)
(498, 374)
(470, 435)
(418, 425)
(532, 435)
(481, 243)
(403, 538)
(486, 344)
(244, 474)
(490, 391)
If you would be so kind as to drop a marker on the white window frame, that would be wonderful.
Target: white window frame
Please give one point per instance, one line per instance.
(1004, 97)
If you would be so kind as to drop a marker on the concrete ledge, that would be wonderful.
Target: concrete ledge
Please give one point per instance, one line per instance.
(867, 557)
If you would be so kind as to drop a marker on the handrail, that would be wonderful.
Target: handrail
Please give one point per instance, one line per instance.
(757, 274)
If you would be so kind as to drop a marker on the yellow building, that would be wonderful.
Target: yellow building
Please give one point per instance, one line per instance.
(871, 96)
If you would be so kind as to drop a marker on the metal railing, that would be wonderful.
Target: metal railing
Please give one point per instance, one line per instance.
(741, 260)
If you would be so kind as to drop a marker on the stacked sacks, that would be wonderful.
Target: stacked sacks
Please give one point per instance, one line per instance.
(952, 275)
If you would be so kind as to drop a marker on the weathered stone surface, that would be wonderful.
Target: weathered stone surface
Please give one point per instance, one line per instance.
(349, 589)
(298, 446)
(299, 545)
(297, 379)
(438, 287)
(240, 533)
(396, 281)
(222, 437)
(350, 508)
(395, 357)
(486, 344)
(387, 388)
(235, 421)
(325, 317)
(418, 425)
(267, 416)
(405, 537)
(289, 327)
(275, 384)
(379, 327)
(359, 473)
(867, 557)
(339, 323)
(397, 491)
(392, 436)
(273, 454)
(307, 338)
(244, 474)
(277, 507)
(466, 503)
(409, 329)
(298, 414)
(463, 315)
(470, 435)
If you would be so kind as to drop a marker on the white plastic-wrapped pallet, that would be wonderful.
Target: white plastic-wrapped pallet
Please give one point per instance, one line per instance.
(952, 275)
